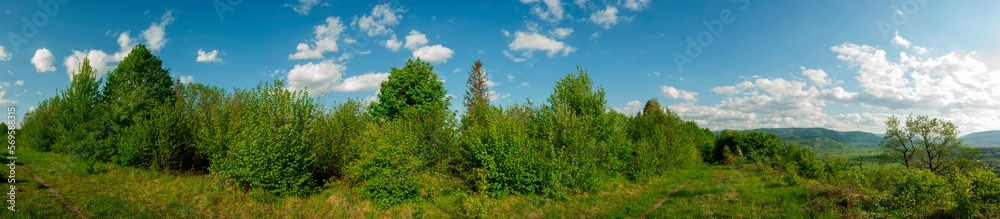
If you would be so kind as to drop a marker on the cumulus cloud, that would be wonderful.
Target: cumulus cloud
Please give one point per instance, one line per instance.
(326, 76)
(212, 56)
(393, 44)
(4, 55)
(415, 40)
(818, 77)
(528, 42)
(99, 60)
(43, 60)
(156, 34)
(898, 40)
(552, 11)
(957, 87)
(636, 5)
(303, 6)
(19, 83)
(324, 40)
(674, 93)
(433, 54)
(605, 18)
(561, 33)
(630, 108)
(381, 20)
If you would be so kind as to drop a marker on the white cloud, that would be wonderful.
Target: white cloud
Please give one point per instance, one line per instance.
(125, 46)
(606, 18)
(155, 35)
(494, 95)
(325, 40)
(212, 56)
(553, 11)
(947, 83)
(393, 44)
(326, 76)
(99, 60)
(19, 83)
(818, 77)
(304, 6)
(561, 33)
(4, 55)
(636, 5)
(186, 79)
(43, 60)
(380, 21)
(675, 93)
(433, 54)
(898, 40)
(956, 87)
(528, 43)
(415, 40)
(349, 40)
(523, 84)
(630, 108)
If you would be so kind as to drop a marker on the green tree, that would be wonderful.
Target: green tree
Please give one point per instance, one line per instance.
(927, 142)
(415, 86)
(477, 97)
(575, 92)
(76, 123)
(133, 90)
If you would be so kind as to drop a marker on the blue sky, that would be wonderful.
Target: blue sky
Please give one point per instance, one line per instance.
(843, 65)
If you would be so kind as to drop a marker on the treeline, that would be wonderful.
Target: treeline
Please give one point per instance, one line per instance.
(274, 141)
(406, 145)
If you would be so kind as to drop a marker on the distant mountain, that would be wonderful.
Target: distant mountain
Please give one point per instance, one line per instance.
(983, 139)
(825, 139)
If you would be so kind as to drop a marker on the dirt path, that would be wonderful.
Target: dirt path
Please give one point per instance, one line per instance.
(664, 200)
(69, 205)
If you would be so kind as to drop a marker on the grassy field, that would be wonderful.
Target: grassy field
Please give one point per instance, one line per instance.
(110, 191)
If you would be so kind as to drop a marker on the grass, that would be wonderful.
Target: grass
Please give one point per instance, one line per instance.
(111, 191)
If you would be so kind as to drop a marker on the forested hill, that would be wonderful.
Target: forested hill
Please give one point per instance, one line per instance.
(826, 139)
(983, 139)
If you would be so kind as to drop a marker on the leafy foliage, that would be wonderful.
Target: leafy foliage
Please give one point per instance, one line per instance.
(387, 164)
(415, 85)
(923, 141)
(269, 151)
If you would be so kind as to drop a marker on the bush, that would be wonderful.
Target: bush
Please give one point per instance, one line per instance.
(269, 150)
(501, 155)
(978, 194)
(753, 146)
(334, 137)
(387, 165)
(662, 142)
(38, 129)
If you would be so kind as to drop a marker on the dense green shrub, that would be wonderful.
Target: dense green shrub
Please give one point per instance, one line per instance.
(212, 117)
(977, 194)
(38, 127)
(502, 156)
(269, 151)
(753, 146)
(387, 164)
(662, 142)
(334, 137)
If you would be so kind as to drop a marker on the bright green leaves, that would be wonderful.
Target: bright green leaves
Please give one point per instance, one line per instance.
(270, 150)
(414, 86)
